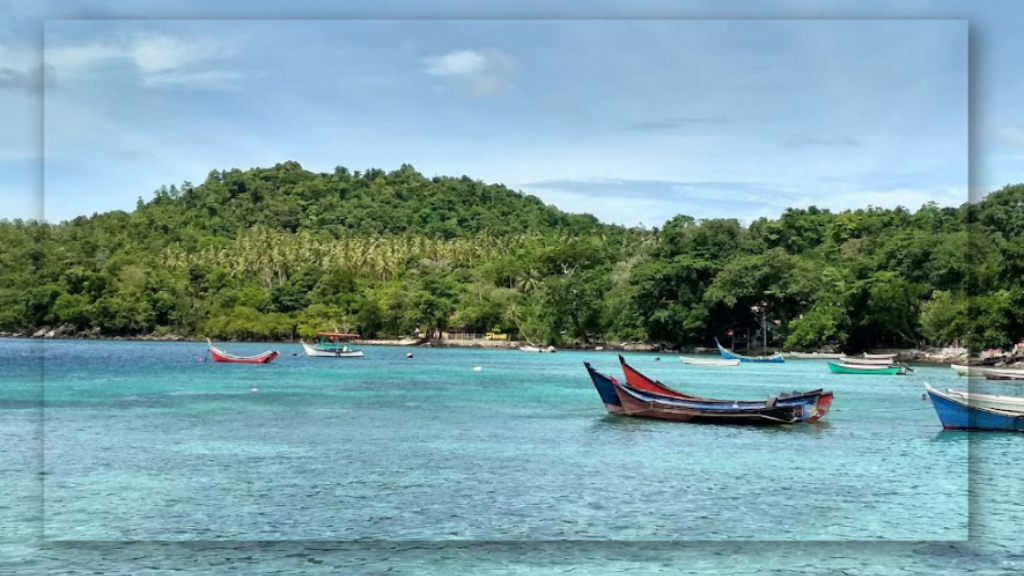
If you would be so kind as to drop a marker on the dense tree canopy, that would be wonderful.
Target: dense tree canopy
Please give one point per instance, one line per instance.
(282, 252)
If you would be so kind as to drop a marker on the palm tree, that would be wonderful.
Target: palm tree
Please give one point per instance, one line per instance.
(529, 281)
(513, 313)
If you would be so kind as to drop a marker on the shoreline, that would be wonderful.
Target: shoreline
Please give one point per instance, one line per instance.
(927, 356)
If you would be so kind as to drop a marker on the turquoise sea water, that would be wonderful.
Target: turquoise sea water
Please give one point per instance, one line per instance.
(131, 456)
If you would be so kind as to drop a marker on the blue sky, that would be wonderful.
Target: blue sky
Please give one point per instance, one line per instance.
(633, 119)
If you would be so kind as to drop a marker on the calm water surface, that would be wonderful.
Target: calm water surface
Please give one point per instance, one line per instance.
(133, 457)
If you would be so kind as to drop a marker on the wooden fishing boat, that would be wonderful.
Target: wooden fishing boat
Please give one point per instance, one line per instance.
(967, 370)
(730, 355)
(1003, 374)
(865, 369)
(865, 361)
(991, 401)
(708, 361)
(222, 356)
(636, 403)
(811, 355)
(537, 349)
(956, 413)
(819, 400)
(333, 345)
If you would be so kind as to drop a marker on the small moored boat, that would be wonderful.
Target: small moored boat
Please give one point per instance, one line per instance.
(993, 401)
(865, 369)
(770, 413)
(812, 355)
(708, 361)
(1003, 374)
(956, 413)
(819, 399)
(537, 349)
(967, 370)
(222, 356)
(730, 355)
(865, 361)
(333, 345)
(880, 356)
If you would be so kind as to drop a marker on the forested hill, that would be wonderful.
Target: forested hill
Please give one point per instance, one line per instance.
(346, 204)
(281, 252)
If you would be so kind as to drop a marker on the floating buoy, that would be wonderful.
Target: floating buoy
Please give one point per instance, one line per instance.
(477, 368)
(924, 396)
(409, 355)
(657, 359)
(255, 389)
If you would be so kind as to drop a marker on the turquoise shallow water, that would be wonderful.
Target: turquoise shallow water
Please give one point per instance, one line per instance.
(424, 465)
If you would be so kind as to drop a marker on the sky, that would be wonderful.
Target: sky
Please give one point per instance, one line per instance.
(632, 112)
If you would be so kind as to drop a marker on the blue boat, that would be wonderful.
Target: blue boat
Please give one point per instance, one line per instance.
(730, 355)
(956, 414)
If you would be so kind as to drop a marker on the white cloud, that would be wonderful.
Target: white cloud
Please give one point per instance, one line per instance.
(457, 63)
(481, 72)
(161, 60)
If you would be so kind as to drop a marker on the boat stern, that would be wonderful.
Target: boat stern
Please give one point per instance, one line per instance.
(821, 407)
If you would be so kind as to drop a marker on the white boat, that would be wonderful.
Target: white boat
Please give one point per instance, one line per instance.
(880, 356)
(991, 401)
(708, 361)
(810, 355)
(535, 349)
(868, 367)
(967, 370)
(867, 361)
(333, 345)
(1003, 373)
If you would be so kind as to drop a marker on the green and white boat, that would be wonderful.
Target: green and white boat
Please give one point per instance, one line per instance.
(333, 345)
(865, 369)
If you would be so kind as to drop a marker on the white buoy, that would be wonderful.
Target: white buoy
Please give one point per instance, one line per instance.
(255, 389)
(477, 368)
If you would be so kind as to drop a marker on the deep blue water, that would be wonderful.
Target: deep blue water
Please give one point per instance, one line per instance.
(425, 466)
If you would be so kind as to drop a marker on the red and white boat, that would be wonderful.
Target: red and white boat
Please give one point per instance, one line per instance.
(222, 356)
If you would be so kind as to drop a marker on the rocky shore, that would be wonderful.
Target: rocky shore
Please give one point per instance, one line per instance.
(998, 358)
